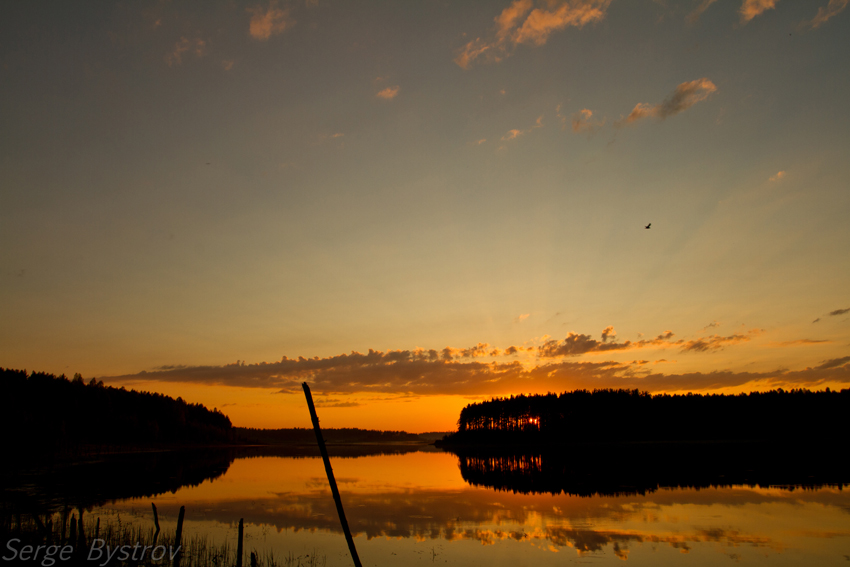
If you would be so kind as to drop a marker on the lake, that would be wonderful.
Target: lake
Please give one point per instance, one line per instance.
(416, 508)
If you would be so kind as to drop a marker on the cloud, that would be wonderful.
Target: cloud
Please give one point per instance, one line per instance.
(839, 312)
(801, 342)
(682, 98)
(422, 372)
(609, 332)
(521, 23)
(186, 46)
(710, 325)
(703, 6)
(514, 134)
(752, 8)
(388, 93)
(337, 404)
(832, 9)
(266, 22)
(541, 23)
(575, 344)
(834, 363)
(522, 317)
(779, 175)
(816, 320)
(716, 342)
(511, 16)
(582, 122)
(472, 352)
(227, 64)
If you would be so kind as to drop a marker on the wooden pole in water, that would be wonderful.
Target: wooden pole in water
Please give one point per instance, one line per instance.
(239, 545)
(178, 536)
(82, 532)
(72, 537)
(330, 473)
(155, 523)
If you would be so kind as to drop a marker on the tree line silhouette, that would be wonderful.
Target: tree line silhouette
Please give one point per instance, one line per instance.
(44, 414)
(609, 415)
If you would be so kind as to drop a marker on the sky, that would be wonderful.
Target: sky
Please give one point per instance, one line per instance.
(413, 206)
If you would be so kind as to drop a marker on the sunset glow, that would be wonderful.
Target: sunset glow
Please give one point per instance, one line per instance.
(413, 206)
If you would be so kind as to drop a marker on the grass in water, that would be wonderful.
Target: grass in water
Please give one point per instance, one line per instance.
(140, 543)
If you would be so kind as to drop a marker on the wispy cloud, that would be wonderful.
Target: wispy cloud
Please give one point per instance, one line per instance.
(388, 93)
(521, 23)
(577, 344)
(337, 404)
(716, 342)
(697, 12)
(584, 123)
(834, 363)
(682, 98)
(825, 13)
(777, 176)
(752, 8)
(514, 134)
(268, 21)
(186, 46)
(541, 23)
(834, 313)
(803, 342)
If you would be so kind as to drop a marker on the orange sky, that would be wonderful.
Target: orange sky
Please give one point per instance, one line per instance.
(415, 205)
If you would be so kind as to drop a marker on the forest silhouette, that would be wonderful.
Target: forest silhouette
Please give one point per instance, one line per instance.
(625, 441)
(616, 416)
(44, 414)
(47, 416)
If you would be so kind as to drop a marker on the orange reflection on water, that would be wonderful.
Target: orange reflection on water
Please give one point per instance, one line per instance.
(268, 477)
(420, 498)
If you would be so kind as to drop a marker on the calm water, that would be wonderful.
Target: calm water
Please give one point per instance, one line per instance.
(417, 509)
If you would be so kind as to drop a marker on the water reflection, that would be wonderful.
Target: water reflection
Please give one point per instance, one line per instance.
(408, 505)
(643, 468)
(93, 481)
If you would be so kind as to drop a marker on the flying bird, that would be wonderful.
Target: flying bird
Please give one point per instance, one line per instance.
(647, 226)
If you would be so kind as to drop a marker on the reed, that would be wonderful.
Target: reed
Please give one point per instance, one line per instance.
(197, 550)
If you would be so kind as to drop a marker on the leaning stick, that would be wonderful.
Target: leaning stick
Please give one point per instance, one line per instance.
(330, 472)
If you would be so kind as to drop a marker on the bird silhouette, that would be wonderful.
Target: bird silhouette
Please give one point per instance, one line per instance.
(649, 225)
